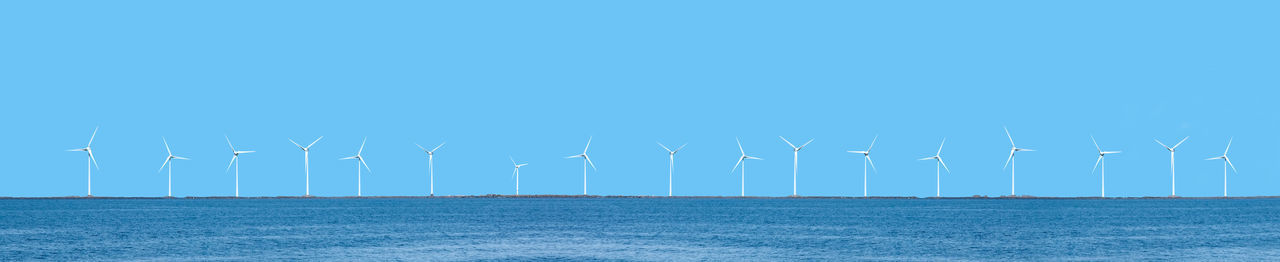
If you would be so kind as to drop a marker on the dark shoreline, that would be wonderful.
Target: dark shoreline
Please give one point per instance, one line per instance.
(635, 197)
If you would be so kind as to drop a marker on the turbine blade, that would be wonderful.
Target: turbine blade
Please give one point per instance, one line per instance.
(420, 147)
(873, 164)
(1233, 166)
(1110, 152)
(1006, 161)
(233, 147)
(740, 146)
(345, 158)
(295, 143)
(927, 158)
(588, 158)
(314, 142)
(806, 143)
(233, 161)
(513, 173)
(735, 166)
(873, 143)
(584, 149)
(857, 152)
(1161, 144)
(944, 165)
(788, 142)
(366, 166)
(166, 145)
(95, 160)
(513, 160)
(245, 152)
(1095, 165)
(1095, 144)
(1184, 139)
(1006, 133)
(433, 150)
(573, 156)
(944, 142)
(362, 146)
(664, 147)
(681, 147)
(1213, 158)
(166, 162)
(95, 134)
(181, 158)
(1224, 152)
(755, 158)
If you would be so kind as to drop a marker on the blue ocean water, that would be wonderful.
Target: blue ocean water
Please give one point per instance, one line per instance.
(639, 229)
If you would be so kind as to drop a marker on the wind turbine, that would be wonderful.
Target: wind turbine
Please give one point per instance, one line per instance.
(166, 163)
(1173, 176)
(744, 166)
(516, 173)
(235, 157)
(359, 161)
(92, 162)
(1013, 172)
(795, 162)
(1101, 154)
(938, 178)
(431, 166)
(866, 158)
(671, 168)
(306, 161)
(585, 160)
(1225, 162)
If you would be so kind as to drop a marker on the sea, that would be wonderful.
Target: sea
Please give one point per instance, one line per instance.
(638, 229)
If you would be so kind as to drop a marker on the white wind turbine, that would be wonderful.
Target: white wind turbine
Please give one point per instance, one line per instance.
(359, 162)
(671, 168)
(938, 178)
(1225, 162)
(1102, 162)
(516, 173)
(235, 160)
(431, 165)
(744, 166)
(1013, 172)
(866, 158)
(1173, 176)
(795, 162)
(167, 163)
(306, 161)
(585, 160)
(92, 162)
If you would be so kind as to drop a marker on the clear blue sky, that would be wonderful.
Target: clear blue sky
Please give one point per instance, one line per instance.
(535, 79)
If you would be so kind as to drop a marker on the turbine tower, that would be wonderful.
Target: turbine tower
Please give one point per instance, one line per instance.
(938, 178)
(306, 161)
(671, 168)
(92, 162)
(516, 173)
(1173, 176)
(744, 166)
(1013, 172)
(866, 158)
(431, 165)
(795, 162)
(1102, 162)
(359, 162)
(167, 163)
(235, 157)
(1226, 161)
(585, 160)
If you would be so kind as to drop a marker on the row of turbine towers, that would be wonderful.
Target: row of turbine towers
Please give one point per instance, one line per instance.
(1010, 164)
